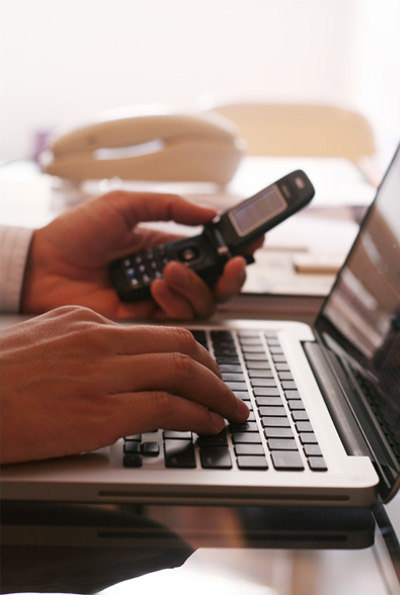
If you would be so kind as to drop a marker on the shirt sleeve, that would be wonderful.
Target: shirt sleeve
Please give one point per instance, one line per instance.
(14, 246)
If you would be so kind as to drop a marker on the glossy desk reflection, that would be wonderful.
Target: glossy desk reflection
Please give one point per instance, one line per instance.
(84, 549)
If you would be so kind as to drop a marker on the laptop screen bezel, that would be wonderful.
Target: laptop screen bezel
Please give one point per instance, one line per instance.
(334, 342)
(322, 325)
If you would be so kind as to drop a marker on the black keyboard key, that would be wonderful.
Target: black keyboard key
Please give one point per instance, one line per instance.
(221, 335)
(232, 359)
(246, 438)
(241, 394)
(285, 375)
(317, 464)
(300, 416)
(279, 359)
(282, 366)
(252, 463)
(225, 352)
(200, 336)
(303, 426)
(215, 457)
(292, 394)
(312, 450)
(222, 339)
(249, 449)
(308, 438)
(278, 433)
(255, 357)
(256, 365)
(232, 377)
(269, 401)
(250, 341)
(263, 391)
(264, 373)
(133, 460)
(275, 349)
(287, 460)
(247, 426)
(213, 439)
(296, 404)
(177, 435)
(282, 444)
(268, 382)
(132, 447)
(272, 411)
(248, 334)
(253, 348)
(241, 386)
(273, 422)
(289, 385)
(179, 453)
(230, 368)
(150, 449)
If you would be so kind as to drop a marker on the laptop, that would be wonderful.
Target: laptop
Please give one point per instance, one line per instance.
(324, 427)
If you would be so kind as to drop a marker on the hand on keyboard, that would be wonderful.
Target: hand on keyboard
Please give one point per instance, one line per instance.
(73, 381)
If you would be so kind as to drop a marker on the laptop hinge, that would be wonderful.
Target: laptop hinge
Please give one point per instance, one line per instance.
(341, 414)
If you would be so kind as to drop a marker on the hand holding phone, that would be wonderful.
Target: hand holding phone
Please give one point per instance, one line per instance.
(227, 235)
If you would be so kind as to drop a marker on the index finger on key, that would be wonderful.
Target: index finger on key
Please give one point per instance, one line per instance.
(133, 340)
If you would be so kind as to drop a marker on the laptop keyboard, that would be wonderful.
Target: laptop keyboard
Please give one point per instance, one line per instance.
(278, 433)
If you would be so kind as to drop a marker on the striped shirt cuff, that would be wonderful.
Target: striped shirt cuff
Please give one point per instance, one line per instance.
(14, 245)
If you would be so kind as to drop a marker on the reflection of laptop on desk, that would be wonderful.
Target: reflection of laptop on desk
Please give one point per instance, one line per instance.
(325, 422)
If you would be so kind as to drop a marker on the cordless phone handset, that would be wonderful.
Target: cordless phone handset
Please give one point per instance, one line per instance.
(226, 236)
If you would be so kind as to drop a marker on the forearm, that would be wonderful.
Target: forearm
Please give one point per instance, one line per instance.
(14, 248)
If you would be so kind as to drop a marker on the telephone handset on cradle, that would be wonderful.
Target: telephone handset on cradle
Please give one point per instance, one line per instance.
(159, 147)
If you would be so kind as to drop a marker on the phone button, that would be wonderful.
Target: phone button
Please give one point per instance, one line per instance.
(188, 254)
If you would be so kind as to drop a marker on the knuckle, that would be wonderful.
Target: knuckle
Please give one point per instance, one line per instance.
(80, 313)
(185, 339)
(90, 330)
(115, 195)
(183, 364)
(71, 311)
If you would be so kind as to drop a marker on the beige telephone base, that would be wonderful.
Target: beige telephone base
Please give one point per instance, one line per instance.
(157, 147)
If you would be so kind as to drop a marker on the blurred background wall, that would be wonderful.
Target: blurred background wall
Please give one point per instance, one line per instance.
(64, 60)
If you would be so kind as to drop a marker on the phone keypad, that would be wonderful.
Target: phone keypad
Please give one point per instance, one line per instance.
(143, 267)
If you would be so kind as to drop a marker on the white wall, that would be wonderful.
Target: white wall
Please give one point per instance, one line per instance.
(61, 60)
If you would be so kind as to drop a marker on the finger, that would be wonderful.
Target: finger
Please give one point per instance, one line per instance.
(187, 284)
(172, 304)
(232, 280)
(177, 374)
(144, 238)
(134, 207)
(147, 411)
(137, 340)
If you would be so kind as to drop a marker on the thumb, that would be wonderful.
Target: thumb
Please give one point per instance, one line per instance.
(134, 207)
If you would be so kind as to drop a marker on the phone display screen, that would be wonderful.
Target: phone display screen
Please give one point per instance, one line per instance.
(257, 211)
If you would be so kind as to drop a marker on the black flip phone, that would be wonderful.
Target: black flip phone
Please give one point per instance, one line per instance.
(227, 235)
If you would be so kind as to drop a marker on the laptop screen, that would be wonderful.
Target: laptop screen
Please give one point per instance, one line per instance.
(361, 316)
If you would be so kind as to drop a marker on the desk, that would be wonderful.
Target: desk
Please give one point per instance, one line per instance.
(179, 550)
